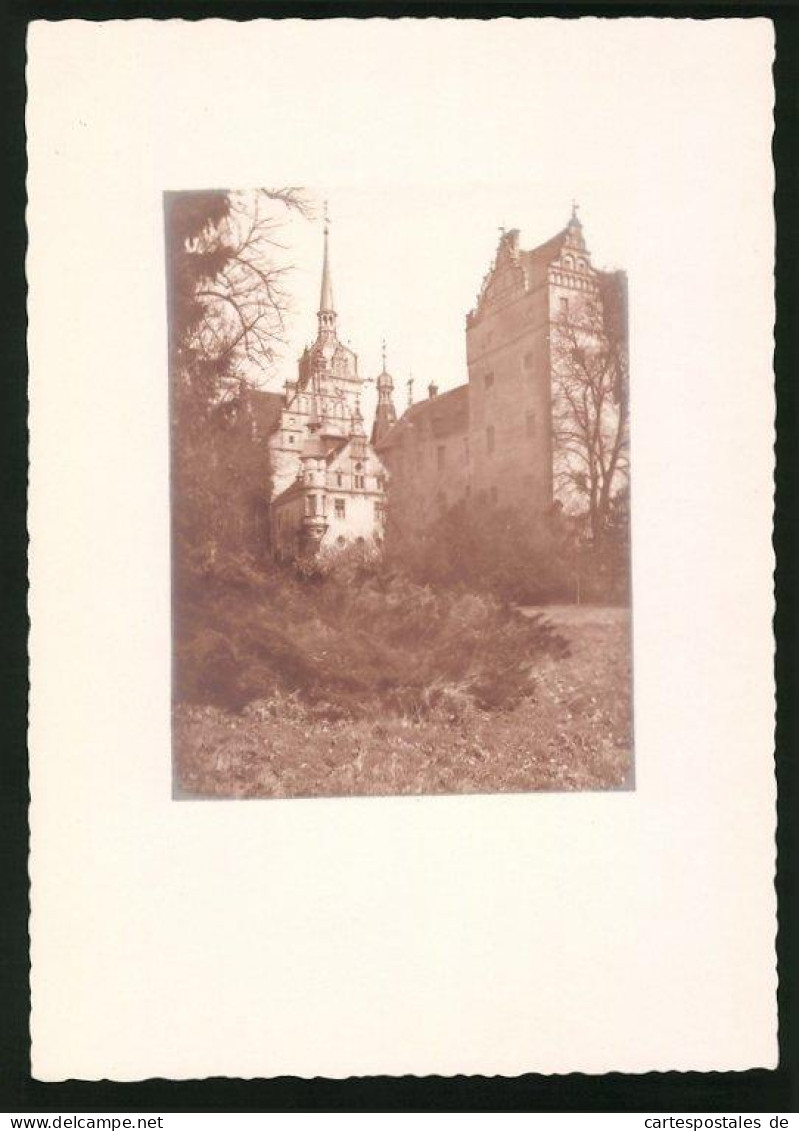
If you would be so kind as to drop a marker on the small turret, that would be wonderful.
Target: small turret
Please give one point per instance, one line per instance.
(385, 414)
(574, 230)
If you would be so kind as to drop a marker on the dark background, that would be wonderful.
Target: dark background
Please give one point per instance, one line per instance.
(756, 1090)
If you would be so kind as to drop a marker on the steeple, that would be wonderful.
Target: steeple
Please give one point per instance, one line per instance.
(574, 229)
(327, 312)
(386, 414)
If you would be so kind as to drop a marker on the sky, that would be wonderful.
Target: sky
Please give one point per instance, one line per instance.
(407, 264)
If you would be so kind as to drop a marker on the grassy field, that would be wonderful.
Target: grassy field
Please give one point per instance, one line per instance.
(573, 733)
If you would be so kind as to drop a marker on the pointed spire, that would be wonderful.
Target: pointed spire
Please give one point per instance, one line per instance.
(326, 305)
(575, 219)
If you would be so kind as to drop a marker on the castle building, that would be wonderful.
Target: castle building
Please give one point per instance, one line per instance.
(491, 442)
(328, 484)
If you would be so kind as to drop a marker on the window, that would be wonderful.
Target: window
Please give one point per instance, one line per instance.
(360, 481)
(291, 438)
(441, 456)
(340, 508)
(564, 308)
(341, 540)
(490, 438)
(528, 361)
(379, 512)
(489, 380)
(530, 423)
(339, 479)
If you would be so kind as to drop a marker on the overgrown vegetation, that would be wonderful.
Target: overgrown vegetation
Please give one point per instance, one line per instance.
(516, 560)
(572, 733)
(353, 641)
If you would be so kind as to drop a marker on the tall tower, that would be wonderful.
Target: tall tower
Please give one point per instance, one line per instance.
(386, 414)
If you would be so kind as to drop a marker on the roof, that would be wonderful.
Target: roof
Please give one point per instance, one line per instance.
(295, 488)
(446, 414)
(324, 447)
(539, 258)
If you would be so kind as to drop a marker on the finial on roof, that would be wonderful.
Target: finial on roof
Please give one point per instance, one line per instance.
(410, 390)
(384, 355)
(575, 218)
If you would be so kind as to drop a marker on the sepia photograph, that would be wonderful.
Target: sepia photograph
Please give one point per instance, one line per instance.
(399, 494)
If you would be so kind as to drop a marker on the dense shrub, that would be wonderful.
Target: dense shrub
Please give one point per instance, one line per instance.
(530, 561)
(354, 638)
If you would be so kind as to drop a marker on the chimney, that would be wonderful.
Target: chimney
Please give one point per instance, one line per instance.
(432, 390)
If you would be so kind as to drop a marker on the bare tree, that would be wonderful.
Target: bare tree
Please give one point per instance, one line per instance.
(228, 298)
(590, 409)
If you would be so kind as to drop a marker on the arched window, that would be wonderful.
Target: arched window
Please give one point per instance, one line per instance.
(568, 262)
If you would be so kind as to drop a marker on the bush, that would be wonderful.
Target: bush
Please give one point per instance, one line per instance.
(530, 561)
(355, 639)
(526, 562)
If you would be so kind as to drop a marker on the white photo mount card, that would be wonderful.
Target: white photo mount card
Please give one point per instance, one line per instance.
(401, 575)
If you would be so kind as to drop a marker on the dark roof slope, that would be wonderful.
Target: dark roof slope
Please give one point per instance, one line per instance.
(538, 260)
(446, 414)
